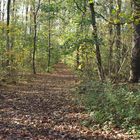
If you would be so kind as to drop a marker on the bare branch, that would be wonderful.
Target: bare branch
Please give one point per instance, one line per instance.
(78, 6)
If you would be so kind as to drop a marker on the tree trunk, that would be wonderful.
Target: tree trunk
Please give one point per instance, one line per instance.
(49, 41)
(35, 13)
(135, 58)
(14, 10)
(111, 41)
(95, 36)
(3, 11)
(118, 36)
(0, 11)
(77, 57)
(8, 36)
(34, 44)
(26, 26)
(13, 20)
(3, 32)
(30, 11)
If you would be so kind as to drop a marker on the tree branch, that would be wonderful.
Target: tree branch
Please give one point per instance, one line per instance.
(78, 6)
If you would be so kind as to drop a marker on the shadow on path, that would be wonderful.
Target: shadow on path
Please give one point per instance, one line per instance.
(43, 108)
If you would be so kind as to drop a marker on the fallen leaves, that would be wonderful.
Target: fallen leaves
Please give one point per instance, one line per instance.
(44, 108)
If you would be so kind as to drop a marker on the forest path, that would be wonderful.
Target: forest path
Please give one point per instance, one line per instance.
(44, 108)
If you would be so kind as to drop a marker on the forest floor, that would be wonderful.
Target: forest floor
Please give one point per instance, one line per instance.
(43, 107)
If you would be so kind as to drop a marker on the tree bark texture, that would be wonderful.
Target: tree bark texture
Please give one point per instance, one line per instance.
(8, 36)
(97, 46)
(135, 58)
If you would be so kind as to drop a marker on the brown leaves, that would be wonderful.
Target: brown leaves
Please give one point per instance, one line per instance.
(44, 109)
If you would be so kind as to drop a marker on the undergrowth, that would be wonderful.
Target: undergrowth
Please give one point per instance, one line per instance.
(118, 105)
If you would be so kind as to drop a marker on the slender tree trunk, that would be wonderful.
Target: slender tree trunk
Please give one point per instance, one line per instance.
(95, 36)
(3, 16)
(35, 35)
(135, 58)
(0, 11)
(118, 36)
(31, 11)
(0, 21)
(13, 22)
(3, 10)
(8, 36)
(26, 26)
(34, 45)
(111, 41)
(13, 10)
(3, 33)
(77, 57)
(49, 41)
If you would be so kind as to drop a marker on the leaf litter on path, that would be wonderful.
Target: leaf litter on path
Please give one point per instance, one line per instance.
(43, 108)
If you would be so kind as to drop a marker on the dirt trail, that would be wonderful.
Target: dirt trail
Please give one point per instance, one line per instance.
(44, 108)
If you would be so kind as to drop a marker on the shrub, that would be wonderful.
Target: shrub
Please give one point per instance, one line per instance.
(118, 104)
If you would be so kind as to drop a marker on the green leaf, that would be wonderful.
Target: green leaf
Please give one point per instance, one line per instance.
(91, 1)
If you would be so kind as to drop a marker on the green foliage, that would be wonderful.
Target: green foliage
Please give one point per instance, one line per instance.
(49, 8)
(118, 104)
(91, 1)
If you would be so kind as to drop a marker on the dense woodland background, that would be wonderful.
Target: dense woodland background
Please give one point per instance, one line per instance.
(93, 37)
(37, 34)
